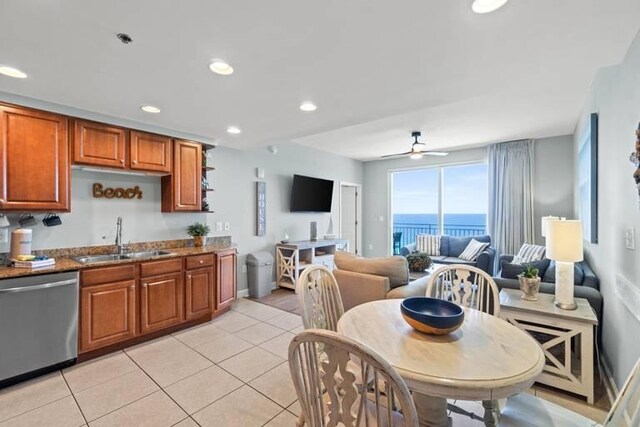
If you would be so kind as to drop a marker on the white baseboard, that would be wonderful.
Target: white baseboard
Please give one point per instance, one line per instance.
(609, 384)
(242, 293)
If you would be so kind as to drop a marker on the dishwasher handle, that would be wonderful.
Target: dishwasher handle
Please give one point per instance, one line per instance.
(41, 286)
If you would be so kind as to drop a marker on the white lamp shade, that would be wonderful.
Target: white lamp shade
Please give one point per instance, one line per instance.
(564, 240)
(545, 222)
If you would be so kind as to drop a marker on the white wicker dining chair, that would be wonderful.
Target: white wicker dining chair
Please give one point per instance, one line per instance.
(320, 298)
(327, 390)
(467, 286)
(525, 410)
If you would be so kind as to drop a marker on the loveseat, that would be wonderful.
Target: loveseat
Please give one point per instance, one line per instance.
(363, 280)
(452, 246)
(586, 282)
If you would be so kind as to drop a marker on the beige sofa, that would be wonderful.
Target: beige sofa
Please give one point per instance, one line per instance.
(370, 279)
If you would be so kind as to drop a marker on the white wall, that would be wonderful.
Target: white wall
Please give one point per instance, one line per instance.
(553, 186)
(553, 183)
(615, 95)
(92, 221)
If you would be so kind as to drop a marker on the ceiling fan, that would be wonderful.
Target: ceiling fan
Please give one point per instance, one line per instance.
(416, 150)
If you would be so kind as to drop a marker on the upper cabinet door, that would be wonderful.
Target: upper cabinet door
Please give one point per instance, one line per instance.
(34, 160)
(150, 152)
(99, 144)
(182, 190)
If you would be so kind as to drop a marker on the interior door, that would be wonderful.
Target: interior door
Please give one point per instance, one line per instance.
(349, 216)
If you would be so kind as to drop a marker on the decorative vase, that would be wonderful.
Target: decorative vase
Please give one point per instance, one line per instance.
(529, 288)
(198, 241)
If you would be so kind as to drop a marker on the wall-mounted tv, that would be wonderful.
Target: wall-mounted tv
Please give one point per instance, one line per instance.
(311, 194)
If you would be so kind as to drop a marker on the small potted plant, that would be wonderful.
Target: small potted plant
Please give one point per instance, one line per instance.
(198, 232)
(419, 261)
(529, 283)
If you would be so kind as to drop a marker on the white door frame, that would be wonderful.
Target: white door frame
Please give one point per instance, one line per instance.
(358, 249)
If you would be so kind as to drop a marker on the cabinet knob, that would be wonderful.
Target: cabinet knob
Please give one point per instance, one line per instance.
(201, 261)
(132, 287)
(122, 161)
(135, 162)
(144, 285)
(1, 201)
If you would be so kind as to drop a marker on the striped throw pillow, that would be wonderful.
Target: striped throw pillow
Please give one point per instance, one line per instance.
(529, 253)
(473, 250)
(428, 244)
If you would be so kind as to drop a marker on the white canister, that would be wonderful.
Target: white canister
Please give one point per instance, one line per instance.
(20, 242)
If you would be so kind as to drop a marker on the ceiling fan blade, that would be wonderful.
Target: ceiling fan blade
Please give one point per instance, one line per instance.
(396, 155)
(435, 153)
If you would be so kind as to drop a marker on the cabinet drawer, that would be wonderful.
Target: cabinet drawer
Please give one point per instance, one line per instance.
(154, 268)
(197, 261)
(101, 275)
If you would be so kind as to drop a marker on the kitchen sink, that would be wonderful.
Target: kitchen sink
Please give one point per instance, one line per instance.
(88, 259)
(147, 254)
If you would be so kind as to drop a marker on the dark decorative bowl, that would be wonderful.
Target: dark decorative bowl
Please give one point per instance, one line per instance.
(431, 315)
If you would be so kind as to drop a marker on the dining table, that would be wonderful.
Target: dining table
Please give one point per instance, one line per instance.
(485, 359)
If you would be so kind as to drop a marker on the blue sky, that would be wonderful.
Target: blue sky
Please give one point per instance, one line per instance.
(465, 190)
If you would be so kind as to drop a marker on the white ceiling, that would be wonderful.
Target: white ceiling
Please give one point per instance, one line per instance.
(376, 69)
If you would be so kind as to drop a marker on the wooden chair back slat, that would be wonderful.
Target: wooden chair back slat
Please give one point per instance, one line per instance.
(467, 286)
(323, 367)
(320, 298)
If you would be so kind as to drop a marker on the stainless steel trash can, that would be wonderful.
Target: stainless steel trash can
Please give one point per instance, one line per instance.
(259, 270)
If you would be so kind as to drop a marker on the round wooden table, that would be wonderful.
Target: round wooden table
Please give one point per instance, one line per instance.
(486, 359)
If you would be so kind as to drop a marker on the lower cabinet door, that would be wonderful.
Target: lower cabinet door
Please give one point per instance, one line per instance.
(226, 280)
(108, 314)
(199, 292)
(161, 302)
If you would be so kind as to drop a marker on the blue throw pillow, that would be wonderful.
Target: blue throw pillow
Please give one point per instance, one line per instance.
(511, 271)
(578, 274)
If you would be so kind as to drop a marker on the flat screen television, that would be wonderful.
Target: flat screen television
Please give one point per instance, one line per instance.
(311, 194)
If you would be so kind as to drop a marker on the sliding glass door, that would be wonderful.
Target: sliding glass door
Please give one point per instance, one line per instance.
(450, 200)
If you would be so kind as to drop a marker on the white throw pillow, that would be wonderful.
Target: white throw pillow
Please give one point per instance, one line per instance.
(473, 250)
(428, 244)
(529, 253)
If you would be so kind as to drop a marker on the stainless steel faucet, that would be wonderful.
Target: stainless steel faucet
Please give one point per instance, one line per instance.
(119, 245)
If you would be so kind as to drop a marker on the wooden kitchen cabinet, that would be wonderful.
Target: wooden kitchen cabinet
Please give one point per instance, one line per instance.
(182, 190)
(161, 302)
(150, 152)
(98, 144)
(226, 280)
(34, 160)
(108, 314)
(199, 284)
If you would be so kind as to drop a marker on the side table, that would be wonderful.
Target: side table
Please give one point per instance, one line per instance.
(565, 336)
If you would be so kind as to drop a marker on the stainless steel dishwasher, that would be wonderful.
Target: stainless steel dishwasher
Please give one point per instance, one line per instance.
(38, 325)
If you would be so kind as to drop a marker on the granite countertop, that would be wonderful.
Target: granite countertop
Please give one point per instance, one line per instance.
(67, 263)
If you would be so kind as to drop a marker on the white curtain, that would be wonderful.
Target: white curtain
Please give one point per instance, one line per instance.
(511, 221)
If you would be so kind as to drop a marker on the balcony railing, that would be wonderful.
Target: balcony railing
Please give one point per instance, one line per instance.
(410, 231)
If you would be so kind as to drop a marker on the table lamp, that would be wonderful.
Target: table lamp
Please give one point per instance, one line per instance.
(545, 222)
(564, 246)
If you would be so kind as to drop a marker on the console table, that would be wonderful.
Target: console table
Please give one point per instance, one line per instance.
(293, 257)
(565, 336)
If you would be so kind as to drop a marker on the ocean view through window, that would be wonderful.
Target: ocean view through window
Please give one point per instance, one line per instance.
(450, 200)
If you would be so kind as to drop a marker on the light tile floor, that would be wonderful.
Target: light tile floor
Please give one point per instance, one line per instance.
(231, 371)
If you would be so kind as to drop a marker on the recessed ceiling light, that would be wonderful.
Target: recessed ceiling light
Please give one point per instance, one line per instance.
(486, 6)
(150, 109)
(12, 72)
(233, 130)
(221, 67)
(308, 106)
